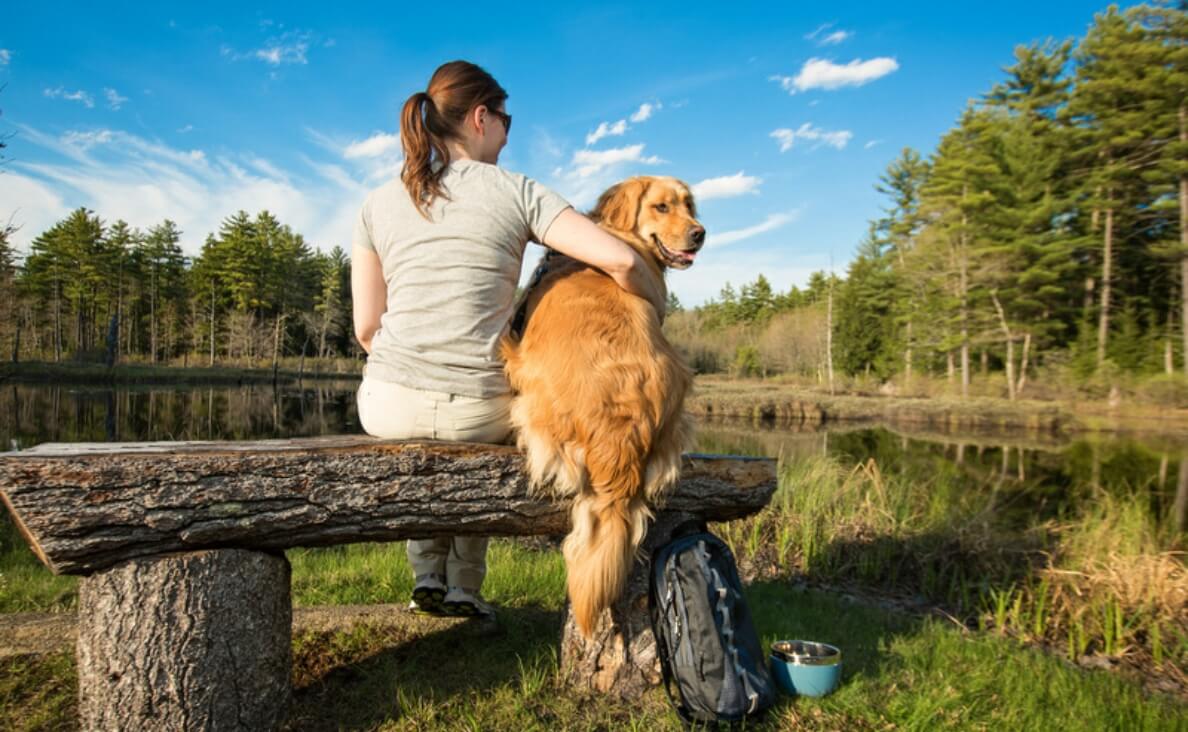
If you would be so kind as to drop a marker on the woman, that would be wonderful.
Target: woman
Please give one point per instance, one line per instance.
(435, 261)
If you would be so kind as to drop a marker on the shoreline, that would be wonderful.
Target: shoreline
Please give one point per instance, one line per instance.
(712, 397)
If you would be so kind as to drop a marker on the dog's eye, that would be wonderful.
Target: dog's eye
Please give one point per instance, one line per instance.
(662, 207)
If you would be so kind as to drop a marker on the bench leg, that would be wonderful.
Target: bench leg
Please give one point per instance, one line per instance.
(192, 641)
(620, 656)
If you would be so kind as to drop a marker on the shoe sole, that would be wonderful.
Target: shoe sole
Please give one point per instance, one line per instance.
(429, 601)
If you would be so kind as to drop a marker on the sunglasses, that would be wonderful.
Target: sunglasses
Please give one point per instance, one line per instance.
(503, 116)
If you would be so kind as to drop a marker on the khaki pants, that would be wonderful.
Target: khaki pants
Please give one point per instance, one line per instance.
(396, 412)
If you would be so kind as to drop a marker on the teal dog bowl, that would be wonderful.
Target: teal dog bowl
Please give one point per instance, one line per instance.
(805, 667)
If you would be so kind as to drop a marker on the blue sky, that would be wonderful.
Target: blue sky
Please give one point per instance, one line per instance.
(781, 115)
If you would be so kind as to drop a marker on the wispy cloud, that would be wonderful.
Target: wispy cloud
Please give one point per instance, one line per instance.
(645, 112)
(290, 47)
(771, 223)
(789, 137)
(381, 143)
(607, 129)
(124, 176)
(114, 100)
(5, 56)
(587, 163)
(620, 127)
(871, 143)
(726, 186)
(374, 158)
(819, 73)
(185, 129)
(74, 96)
(823, 37)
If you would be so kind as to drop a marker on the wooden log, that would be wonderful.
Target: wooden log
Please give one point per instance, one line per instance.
(619, 657)
(87, 506)
(194, 641)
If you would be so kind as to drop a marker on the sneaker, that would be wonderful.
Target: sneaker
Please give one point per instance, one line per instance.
(463, 603)
(428, 595)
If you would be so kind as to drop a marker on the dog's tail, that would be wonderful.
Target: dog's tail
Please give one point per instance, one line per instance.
(608, 527)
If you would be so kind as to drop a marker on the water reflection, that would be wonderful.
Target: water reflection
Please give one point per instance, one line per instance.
(32, 414)
(1039, 475)
(1035, 476)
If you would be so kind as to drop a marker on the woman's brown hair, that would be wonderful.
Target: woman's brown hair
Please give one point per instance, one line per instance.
(432, 117)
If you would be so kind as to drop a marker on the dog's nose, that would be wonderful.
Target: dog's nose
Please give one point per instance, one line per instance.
(698, 235)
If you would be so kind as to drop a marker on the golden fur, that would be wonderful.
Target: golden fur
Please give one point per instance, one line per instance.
(600, 391)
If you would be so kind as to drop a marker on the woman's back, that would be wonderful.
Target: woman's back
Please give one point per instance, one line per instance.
(451, 278)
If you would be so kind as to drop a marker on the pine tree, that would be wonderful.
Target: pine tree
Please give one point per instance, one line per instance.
(902, 181)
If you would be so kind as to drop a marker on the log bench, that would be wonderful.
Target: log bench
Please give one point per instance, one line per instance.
(184, 606)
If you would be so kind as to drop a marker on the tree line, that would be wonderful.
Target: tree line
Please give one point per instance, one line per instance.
(94, 291)
(1048, 227)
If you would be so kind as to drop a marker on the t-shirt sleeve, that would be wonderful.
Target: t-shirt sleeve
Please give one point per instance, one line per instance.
(362, 235)
(541, 207)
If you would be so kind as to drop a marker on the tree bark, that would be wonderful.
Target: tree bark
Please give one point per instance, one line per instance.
(86, 506)
(1010, 347)
(620, 655)
(1023, 364)
(196, 641)
(1103, 323)
(1184, 241)
(964, 327)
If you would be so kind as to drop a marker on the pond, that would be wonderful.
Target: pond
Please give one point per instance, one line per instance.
(1041, 476)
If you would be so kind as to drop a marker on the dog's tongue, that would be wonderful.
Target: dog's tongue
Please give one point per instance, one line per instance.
(687, 256)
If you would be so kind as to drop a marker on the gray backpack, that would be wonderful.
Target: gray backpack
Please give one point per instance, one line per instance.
(707, 645)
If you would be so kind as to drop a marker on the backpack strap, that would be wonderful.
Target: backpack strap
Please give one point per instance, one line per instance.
(664, 655)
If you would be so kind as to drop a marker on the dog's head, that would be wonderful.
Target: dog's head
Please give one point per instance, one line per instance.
(656, 216)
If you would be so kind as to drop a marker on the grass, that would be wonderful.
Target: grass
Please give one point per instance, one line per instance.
(1088, 569)
(1099, 580)
(900, 671)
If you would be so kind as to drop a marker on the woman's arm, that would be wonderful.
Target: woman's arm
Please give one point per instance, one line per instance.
(576, 236)
(369, 292)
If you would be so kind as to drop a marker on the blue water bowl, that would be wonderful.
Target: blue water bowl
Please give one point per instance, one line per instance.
(805, 667)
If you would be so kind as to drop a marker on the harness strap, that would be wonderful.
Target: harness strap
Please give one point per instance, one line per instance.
(521, 316)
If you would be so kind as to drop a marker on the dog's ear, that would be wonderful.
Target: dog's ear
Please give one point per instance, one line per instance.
(618, 207)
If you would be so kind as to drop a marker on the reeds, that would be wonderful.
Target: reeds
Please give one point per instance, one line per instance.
(1107, 578)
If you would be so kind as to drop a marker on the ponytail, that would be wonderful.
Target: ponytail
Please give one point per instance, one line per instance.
(430, 118)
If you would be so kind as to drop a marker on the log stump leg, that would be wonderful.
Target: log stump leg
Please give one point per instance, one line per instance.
(193, 641)
(620, 656)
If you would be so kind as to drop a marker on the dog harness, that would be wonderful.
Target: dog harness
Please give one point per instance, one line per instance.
(521, 316)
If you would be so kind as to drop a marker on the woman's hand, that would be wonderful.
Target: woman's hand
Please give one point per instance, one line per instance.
(369, 292)
(576, 236)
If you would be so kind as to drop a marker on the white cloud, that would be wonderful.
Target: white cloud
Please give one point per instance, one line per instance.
(184, 130)
(123, 176)
(73, 96)
(5, 56)
(590, 162)
(291, 47)
(726, 186)
(819, 73)
(835, 37)
(607, 129)
(772, 222)
(645, 112)
(590, 172)
(376, 158)
(787, 137)
(871, 143)
(827, 39)
(114, 100)
(381, 143)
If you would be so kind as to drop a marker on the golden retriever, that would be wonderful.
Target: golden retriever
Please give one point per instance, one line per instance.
(600, 392)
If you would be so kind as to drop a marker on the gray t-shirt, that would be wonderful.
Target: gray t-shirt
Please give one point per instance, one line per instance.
(452, 278)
